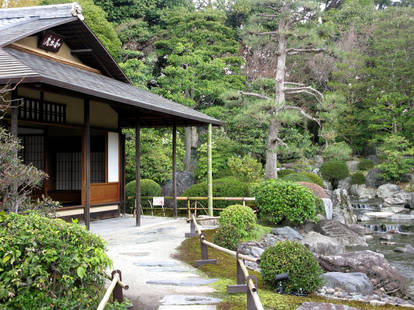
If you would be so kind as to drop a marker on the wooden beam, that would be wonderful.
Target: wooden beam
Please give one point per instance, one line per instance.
(138, 171)
(87, 162)
(174, 170)
(81, 51)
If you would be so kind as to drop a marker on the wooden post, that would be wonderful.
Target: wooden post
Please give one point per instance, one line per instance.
(87, 162)
(210, 172)
(174, 170)
(138, 172)
(122, 180)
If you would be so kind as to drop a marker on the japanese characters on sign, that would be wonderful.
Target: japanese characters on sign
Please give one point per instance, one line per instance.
(51, 42)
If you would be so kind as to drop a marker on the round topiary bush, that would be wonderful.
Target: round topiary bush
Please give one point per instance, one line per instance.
(228, 236)
(241, 217)
(365, 164)
(224, 187)
(316, 189)
(293, 258)
(48, 263)
(334, 171)
(148, 188)
(280, 200)
(358, 178)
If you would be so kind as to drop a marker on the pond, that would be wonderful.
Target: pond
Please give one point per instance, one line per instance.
(402, 232)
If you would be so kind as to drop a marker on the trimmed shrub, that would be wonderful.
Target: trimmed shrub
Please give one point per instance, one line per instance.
(337, 151)
(284, 172)
(224, 187)
(316, 189)
(334, 171)
(293, 258)
(280, 200)
(297, 177)
(50, 264)
(246, 168)
(241, 217)
(228, 236)
(358, 178)
(365, 164)
(148, 188)
(314, 177)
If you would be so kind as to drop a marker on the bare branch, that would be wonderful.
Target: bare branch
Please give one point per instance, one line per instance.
(305, 92)
(294, 51)
(291, 83)
(255, 95)
(305, 88)
(268, 15)
(280, 141)
(303, 112)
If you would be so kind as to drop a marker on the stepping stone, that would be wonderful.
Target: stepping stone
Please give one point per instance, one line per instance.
(192, 307)
(184, 282)
(157, 264)
(189, 300)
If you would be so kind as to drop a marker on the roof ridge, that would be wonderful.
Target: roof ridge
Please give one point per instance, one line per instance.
(44, 11)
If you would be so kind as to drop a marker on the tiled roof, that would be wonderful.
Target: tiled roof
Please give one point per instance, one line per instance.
(69, 77)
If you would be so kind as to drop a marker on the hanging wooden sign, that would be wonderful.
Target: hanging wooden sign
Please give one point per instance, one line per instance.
(51, 42)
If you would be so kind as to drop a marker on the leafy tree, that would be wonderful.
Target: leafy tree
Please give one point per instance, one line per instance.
(283, 28)
(138, 71)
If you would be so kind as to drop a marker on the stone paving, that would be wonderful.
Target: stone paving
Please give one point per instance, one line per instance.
(143, 254)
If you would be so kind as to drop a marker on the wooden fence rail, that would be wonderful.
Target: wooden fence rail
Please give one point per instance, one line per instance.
(245, 283)
(114, 288)
(193, 203)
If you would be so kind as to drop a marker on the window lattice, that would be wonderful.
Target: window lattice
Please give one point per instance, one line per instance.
(34, 110)
(33, 151)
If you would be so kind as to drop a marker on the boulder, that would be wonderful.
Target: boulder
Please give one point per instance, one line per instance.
(287, 233)
(322, 245)
(342, 206)
(341, 232)
(345, 183)
(387, 190)
(363, 192)
(373, 178)
(374, 265)
(408, 249)
(185, 179)
(352, 165)
(323, 306)
(352, 282)
(394, 209)
(360, 229)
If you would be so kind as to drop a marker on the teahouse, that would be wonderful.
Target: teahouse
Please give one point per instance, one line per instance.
(75, 100)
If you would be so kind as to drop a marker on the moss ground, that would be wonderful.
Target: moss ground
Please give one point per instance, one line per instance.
(225, 271)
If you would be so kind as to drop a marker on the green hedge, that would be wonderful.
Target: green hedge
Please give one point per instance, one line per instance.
(280, 200)
(50, 264)
(297, 177)
(358, 178)
(241, 217)
(148, 188)
(365, 164)
(228, 236)
(293, 258)
(334, 171)
(284, 172)
(224, 187)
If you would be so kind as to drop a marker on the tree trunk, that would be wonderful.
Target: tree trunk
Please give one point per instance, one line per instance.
(273, 135)
(271, 150)
(188, 144)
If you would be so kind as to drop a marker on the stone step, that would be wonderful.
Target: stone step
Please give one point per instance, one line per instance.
(192, 307)
(189, 300)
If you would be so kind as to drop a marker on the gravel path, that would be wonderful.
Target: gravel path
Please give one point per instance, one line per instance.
(143, 254)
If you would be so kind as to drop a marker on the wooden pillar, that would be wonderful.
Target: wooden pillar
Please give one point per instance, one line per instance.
(138, 172)
(210, 171)
(174, 170)
(122, 174)
(87, 162)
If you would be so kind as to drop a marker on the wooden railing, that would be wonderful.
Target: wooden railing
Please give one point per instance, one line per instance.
(194, 204)
(114, 288)
(245, 283)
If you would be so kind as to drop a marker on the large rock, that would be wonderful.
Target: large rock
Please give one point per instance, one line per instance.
(342, 206)
(323, 306)
(360, 229)
(345, 183)
(341, 232)
(363, 192)
(408, 249)
(387, 190)
(374, 265)
(352, 165)
(352, 282)
(322, 245)
(373, 178)
(185, 179)
(287, 233)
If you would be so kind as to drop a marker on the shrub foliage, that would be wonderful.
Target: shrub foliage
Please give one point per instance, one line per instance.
(358, 178)
(334, 171)
(241, 217)
(49, 264)
(148, 188)
(293, 258)
(279, 200)
(365, 164)
(228, 236)
(337, 151)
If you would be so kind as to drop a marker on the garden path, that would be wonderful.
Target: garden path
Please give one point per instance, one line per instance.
(143, 254)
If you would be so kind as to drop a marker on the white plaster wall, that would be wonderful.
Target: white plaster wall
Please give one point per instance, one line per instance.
(113, 157)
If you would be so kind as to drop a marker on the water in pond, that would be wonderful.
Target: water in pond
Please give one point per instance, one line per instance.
(402, 233)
